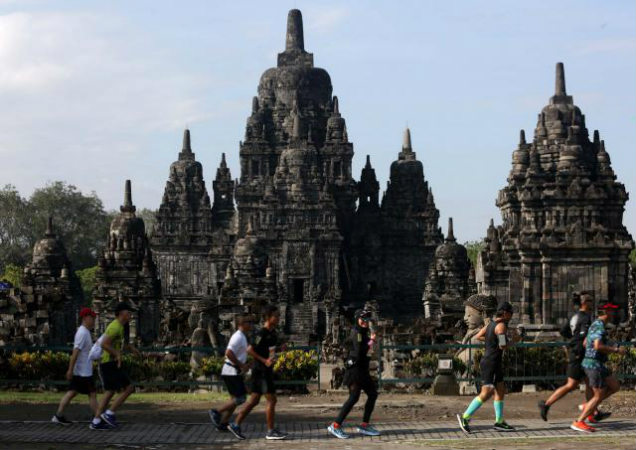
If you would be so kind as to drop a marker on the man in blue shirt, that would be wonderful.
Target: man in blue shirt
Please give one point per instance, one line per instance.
(599, 377)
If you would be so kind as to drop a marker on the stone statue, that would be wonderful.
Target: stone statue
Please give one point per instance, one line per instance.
(478, 310)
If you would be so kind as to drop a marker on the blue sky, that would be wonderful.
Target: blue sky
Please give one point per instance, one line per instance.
(94, 92)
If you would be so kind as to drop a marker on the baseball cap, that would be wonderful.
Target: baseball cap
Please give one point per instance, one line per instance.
(363, 314)
(87, 312)
(121, 306)
(608, 306)
(504, 307)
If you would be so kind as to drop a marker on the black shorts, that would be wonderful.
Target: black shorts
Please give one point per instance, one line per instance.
(262, 382)
(596, 377)
(575, 371)
(235, 385)
(113, 378)
(491, 372)
(82, 385)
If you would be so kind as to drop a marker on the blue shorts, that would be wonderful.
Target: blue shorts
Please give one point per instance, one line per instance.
(596, 377)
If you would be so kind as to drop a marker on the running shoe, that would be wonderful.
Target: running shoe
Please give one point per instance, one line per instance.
(582, 426)
(337, 432)
(215, 417)
(61, 420)
(591, 419)
(275, 434)
(503, 426)
(236, 431)
(102, 425)
(110, 419)
(368, 430)
(601, 415)
(463, 424)
(543, 410)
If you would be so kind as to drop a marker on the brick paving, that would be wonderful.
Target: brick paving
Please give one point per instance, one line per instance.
(131, 433)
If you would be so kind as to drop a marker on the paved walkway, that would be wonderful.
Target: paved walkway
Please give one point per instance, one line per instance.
(203, 433)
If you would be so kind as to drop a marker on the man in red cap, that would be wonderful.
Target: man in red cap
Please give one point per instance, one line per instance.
(599, 377)
(80, 368)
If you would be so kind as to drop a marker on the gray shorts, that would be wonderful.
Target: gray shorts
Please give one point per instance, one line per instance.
(596, 377)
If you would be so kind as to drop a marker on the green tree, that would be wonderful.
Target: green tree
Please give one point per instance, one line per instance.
(149, 218)
(79, 221)
(13, 274)
(15, 222)
(87, 280)
(474, 248)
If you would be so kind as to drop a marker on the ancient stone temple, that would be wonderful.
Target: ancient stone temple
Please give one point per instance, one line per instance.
(448, 282)
(187, 224)
(562, 213)
(44, 310)
(127, 272)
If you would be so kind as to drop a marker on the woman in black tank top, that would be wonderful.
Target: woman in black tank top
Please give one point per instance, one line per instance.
(494, 337)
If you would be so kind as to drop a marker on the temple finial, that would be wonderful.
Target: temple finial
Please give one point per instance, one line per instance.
(294, 39)
(128, 194)
(254, 105)
(223, 163)
(522, 137)
(186, 141)
(597, 137)
(560, 80)
(49, 226)
(451, 235)
(492, 223)
(336, 109)
(368, 164)
(406, 144)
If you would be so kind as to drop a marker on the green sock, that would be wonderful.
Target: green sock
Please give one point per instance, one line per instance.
(472, 408)
(498, 404)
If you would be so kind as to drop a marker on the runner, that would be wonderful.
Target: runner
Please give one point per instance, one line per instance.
(232, 373)
(495, 336)
(111, 374)
(263, 351)
(80, 368)
(600, 378)
(357, 377)
(576, 331)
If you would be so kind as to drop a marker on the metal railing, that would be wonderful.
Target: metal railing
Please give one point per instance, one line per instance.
(524, 362)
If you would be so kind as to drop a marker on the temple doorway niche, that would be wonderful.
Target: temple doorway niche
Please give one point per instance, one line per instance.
(298, 290)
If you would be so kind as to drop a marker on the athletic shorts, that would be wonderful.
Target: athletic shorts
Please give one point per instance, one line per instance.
(596, 377)
(235, 385)
(491, 372)
(575, 371)
(262, 382)
(82, 385)
(113, 378)
(361, 377)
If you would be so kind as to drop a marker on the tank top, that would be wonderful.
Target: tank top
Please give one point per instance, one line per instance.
(493, 351)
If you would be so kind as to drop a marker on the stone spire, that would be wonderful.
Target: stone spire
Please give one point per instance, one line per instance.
(294, 40)
(186, 152)
(560, 95)
(522, 137)
(406, 143)
(128, 204)
(49, 228)
(451, 235)
(295, 54)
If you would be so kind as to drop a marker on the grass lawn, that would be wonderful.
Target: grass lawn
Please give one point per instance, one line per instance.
(142, 397)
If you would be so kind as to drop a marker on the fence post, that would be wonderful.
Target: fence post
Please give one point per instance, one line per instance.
(380, 351)
(318, 351)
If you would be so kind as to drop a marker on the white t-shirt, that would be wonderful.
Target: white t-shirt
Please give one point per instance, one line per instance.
(83, 342)
(238, 345)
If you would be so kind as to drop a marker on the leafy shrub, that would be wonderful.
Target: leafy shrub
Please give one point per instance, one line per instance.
(297, 365)
(425, 365)
(211, 365)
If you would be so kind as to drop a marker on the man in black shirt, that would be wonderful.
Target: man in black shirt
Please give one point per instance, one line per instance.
(576, 332)
(357, 377)
(263, 351)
